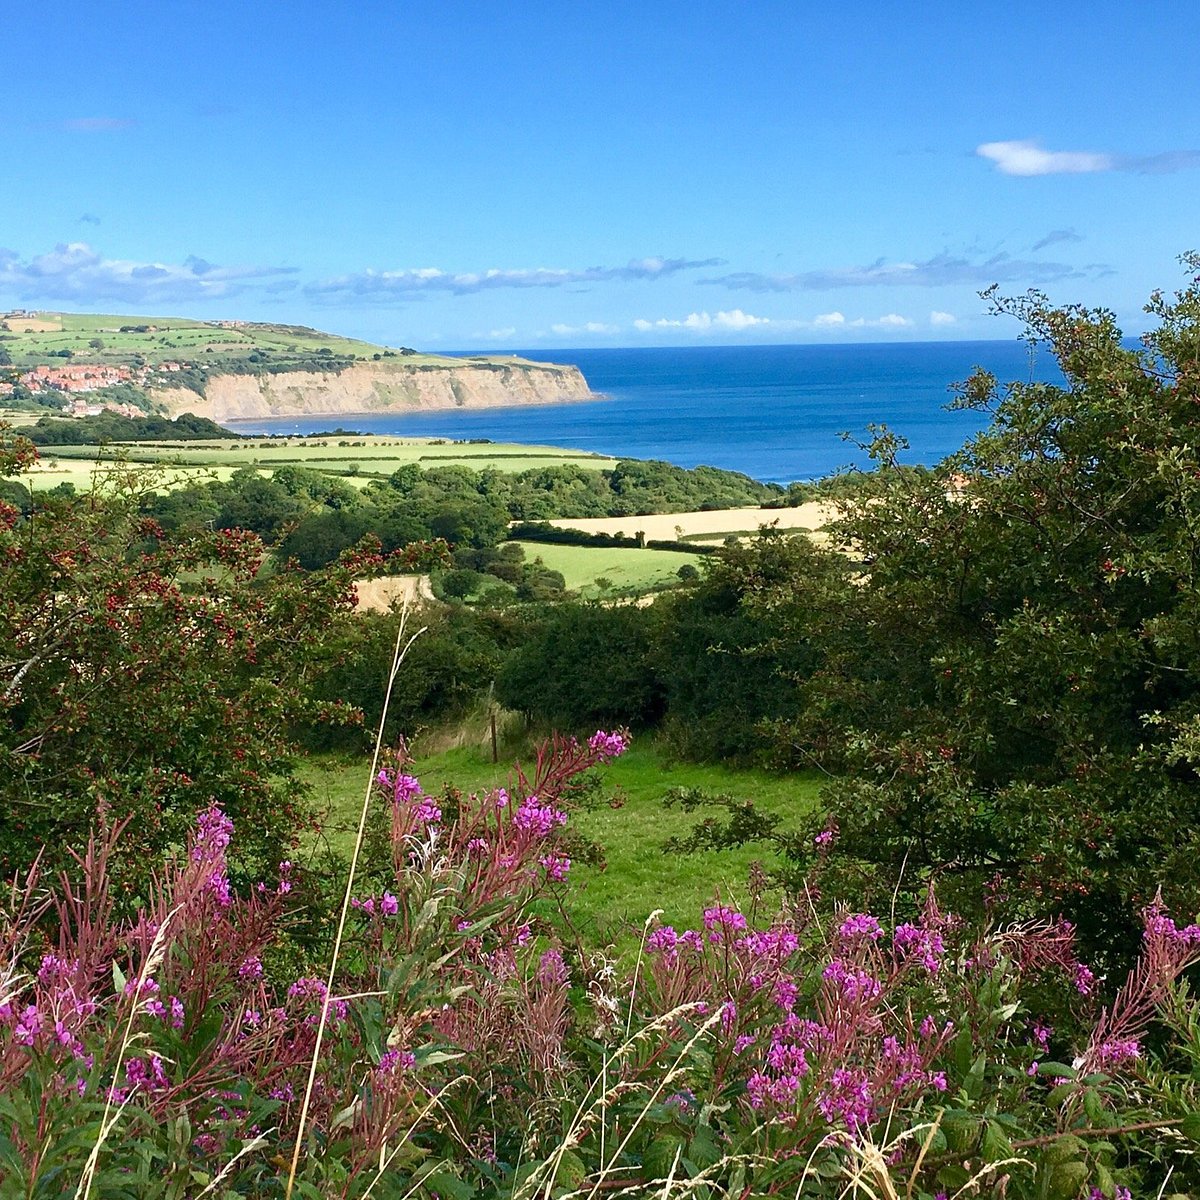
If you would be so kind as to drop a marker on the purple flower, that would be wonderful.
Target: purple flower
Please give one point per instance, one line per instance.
(388, 904)
(251, 967)
(608, 745)
(213, 833)
(861, 925)
(556, 866)
(537, 818)
(28, 1027)
(924, 945)
(1085, 981)
(721, 916)
(1116, 1051)
(176, 1013)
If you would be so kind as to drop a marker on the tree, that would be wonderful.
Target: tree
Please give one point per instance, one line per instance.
(1011, 691)
(144, 677)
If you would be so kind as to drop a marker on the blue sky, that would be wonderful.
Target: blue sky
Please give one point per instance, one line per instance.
(475, 175)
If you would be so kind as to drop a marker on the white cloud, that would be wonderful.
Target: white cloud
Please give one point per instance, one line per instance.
(586, 327)
(74, 271)
(737, 321)
(1028, 158)
(702, 322)
(500, 335)
(942, 318)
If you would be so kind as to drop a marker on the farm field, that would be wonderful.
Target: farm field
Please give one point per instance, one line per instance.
(629, 821)
(166, 339)
(358, 459)
(712, 526)
(626, 569)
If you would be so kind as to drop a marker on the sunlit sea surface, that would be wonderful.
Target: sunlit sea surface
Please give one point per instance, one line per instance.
(774, 412)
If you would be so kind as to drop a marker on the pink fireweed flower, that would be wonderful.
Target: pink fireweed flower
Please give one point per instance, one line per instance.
(367, 905)
(1116, 1051)
(608, 745)
(721, 917)
(536, 818)
(556, 866)
(847, 1099)
(478, 847)
(388, 904)
(923, 945)
(860, 925)
(500, 796)
(390, 1060)
(156, 1008)
(425, 809)
(251, 967)
(176, 1013)
(855, 984)
(54, 969)
(404, 788)
(551, 968)
(213, 833)
(1085, 981)
(663, 940)
(28, 1027)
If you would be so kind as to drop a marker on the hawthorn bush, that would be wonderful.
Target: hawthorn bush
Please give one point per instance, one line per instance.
(145, 677)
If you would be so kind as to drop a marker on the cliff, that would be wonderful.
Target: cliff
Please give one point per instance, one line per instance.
(377, 387)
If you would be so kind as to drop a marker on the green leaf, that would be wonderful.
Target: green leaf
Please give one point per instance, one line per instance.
(1190, 1127)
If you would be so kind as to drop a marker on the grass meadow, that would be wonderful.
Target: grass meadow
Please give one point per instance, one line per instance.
(629, 820)
(626, 569)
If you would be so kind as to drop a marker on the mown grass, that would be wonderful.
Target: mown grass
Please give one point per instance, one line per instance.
(628, 819)
(627, 569)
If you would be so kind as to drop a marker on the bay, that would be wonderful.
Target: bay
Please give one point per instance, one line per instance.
(775, 413)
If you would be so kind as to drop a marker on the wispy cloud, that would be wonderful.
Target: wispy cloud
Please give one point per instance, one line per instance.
(938, 318)
(426, 280)
(74, 271)
(89, 219)
(943, 270)
(1054, 237)
(1026, 157)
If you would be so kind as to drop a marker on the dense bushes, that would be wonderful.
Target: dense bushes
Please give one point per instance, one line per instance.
(113, 427)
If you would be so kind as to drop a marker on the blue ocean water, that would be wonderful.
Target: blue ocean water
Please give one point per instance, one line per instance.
(773, 412)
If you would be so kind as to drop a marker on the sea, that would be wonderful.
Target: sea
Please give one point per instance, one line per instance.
(775, 413)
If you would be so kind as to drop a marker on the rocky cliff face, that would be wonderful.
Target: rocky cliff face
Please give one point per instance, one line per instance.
(374, 387)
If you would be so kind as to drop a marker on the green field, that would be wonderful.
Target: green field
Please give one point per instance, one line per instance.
(168, 339)
(357, 459)
(630, 822)
(626, 569)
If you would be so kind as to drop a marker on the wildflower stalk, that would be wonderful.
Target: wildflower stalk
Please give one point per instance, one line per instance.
(398, 655)
(149, 965)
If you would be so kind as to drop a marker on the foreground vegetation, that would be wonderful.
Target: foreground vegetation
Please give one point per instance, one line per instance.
(958, 963)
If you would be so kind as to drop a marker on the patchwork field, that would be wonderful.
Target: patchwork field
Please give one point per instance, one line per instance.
(358, 459)
(713, 526)
(626, 570)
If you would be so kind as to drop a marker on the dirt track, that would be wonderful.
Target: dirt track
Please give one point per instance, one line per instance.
(378, 595)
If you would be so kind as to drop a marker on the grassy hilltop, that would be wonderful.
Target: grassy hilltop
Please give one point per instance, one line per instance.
(40, 339)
